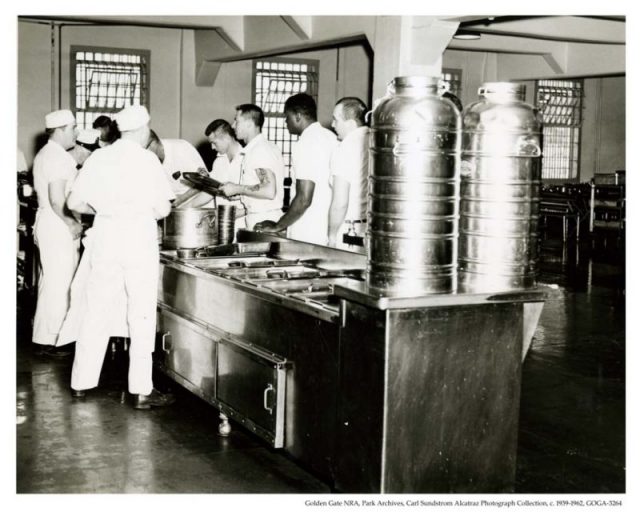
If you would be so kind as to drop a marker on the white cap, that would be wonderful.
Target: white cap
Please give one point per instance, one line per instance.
(132, 117)
(89, 136)
(58, 118)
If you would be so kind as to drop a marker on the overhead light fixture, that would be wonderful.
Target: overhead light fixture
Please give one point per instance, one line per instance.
(466, 35)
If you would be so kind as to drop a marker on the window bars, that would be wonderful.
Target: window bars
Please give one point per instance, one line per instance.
(105, 81)
(274, 81)
(560, 103)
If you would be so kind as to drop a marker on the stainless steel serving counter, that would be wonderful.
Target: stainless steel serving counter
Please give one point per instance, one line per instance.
(369, 392)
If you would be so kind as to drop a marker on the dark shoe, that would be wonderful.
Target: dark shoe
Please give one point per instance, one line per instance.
(153, 399)
(78, 393)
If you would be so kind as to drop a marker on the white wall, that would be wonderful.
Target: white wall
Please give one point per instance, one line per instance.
(34, 85)
(603, 145)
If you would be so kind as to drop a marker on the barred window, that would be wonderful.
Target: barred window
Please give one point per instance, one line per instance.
(274, 80)
(560, 103)
(106, 80)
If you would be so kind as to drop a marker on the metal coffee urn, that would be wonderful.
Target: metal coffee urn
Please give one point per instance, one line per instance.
(412, 222)
(500, 191)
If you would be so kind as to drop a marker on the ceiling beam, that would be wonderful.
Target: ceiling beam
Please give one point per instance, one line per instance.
(301, 25)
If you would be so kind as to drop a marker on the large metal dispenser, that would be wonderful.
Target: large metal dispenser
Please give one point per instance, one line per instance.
(412, 223)
(500, 191)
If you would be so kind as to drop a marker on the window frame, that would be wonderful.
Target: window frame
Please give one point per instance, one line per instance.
(575, 128)
(144, 54)
(312, 63)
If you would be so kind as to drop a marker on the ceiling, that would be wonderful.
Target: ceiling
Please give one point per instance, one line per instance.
(582, 29)
(578, 29)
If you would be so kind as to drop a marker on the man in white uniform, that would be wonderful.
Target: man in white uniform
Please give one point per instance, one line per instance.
(226, 167)
(307, 215)
(178, 156)
(349, 171)
(57, 232)
(261, 171)
(126, 187)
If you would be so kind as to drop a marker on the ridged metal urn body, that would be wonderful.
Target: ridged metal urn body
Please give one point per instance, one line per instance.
(412, 219)
(499, 191)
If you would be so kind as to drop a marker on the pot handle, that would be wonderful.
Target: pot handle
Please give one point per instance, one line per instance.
(210, 216)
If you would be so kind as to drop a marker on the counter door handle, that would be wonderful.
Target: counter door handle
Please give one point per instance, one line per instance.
(277, 274)
(166, 341)
(265, 398)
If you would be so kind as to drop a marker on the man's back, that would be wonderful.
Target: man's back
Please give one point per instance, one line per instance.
(122, 178)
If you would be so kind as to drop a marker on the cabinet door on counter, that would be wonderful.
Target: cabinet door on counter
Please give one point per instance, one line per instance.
(190, 353)
(251, 389)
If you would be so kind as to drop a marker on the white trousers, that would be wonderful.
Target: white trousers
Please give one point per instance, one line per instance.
(123, 256)
(70, 330)
(59, 254)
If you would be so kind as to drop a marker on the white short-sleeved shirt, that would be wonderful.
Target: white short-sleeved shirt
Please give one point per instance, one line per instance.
(225, 171)
(180, 156)
(52, 163)
(123, 179)
(261, 153)
(310, 158)
(350, 161)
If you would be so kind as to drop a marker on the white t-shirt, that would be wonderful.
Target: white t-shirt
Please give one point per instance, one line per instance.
(180, 156)
(261, 153)
(52, 163)
(225, 171)
(310, 158)
(350, 161)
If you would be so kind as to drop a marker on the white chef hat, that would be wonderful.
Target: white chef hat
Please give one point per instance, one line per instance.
(59, 118)
(88, 137)
(132, 117)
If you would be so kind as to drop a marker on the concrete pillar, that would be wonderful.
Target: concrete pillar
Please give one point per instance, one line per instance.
(408, 45)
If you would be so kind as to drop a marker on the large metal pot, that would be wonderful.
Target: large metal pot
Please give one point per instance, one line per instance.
(189, 228)
(499, 191)
(412, 224)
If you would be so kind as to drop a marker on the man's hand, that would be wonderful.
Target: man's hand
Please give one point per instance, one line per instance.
(267, 226)
(230, 189)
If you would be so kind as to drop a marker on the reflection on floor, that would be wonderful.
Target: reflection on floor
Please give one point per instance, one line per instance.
(572, 416)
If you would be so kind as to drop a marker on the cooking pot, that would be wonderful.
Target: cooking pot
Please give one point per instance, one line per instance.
(189, 228)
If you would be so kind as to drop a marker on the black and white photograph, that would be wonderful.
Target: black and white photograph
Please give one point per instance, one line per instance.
(302, 259)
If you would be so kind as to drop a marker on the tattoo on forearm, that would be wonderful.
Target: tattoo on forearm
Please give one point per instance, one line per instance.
(253, 188)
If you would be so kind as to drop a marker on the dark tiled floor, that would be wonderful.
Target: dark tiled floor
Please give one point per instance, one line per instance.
(571, 438)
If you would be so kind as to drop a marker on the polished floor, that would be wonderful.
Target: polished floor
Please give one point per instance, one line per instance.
(572, 417)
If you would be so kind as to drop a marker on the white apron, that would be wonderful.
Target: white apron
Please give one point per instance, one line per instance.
(59, 254)
(70, 331)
